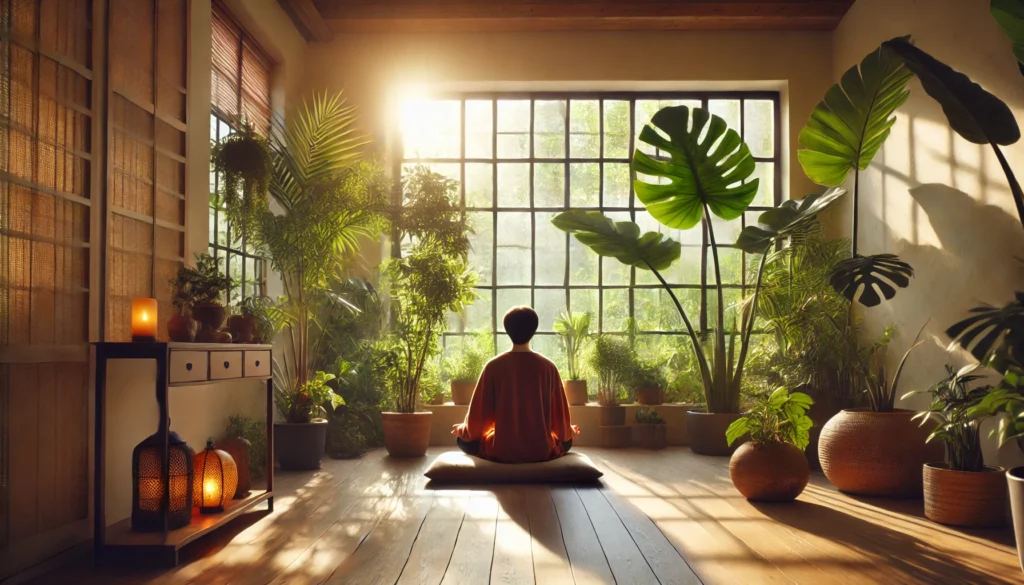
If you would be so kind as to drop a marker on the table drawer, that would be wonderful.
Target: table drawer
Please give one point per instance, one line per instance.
(225, 365)
(188, 366)
(257, 364)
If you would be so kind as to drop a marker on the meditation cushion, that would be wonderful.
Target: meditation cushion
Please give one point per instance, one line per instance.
(457, 467)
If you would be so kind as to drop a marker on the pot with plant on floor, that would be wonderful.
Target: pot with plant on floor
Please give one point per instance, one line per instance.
(649, 432)
(963, 491)
(611, 359)
(573, 331)
(462, 368)
(431, 280)
(771, 466)
(200, 290)
(300, 441)
(693, 138)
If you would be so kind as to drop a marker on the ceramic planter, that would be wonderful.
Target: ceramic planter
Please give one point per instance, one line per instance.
(576, 392)
(706, 433)
(462, 392)
(210, 315)
(613, 416)
(182, 328)
(650, 396)
(406, 434)
(242, 328)
(974, 499)
(650, 436)
(1015, 482)
(876, 453)
(299, 446)
(770, 472)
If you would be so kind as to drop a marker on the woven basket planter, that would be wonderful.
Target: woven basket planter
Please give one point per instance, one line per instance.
(965, 498)
(773, 472)
(876, 453)
(706, 433)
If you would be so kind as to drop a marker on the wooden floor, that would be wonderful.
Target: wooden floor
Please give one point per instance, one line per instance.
(659, 517)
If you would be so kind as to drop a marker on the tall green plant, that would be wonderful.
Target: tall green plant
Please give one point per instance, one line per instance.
(573, 331)
(957, 422)
(611, 359)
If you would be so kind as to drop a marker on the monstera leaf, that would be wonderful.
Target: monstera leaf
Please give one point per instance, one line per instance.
(778, 223)
(849, 126)
(862, 278)
(707, 165)
(620, 240)
(1010, 16)
(994, 335)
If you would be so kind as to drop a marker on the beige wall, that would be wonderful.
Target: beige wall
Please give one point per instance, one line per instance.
(938, 201)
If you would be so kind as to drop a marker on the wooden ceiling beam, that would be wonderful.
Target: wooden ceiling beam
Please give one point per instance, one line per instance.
(307, 19)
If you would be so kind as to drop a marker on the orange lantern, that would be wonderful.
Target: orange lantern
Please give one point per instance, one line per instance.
(214, 479)
(144, 319)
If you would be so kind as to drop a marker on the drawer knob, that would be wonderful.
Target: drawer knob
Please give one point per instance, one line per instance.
(226, 365)
(188, 366)
(257, 363)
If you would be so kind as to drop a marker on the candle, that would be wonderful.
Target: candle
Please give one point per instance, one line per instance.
(144, 319)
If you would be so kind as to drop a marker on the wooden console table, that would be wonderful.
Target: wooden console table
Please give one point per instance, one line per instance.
(177, 364)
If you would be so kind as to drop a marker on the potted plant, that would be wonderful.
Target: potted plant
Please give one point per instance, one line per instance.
(771, 466)
(963, 491)
(681, 198)
(244, 162)
(201, 289)
(878, 450)
(612, 361)
(462, 368)
(431, 387)
(300, 440)
(430, 280)
(649, 382)
(573, 331)
(244, 324)
(649, 432)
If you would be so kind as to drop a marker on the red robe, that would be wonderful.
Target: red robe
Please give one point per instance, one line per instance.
(519, 411)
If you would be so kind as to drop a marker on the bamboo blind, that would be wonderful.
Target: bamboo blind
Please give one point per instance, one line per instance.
(241, 73)
(148, 74)
(46, 206)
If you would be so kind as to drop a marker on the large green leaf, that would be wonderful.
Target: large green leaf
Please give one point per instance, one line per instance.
(620, 240)
(848, 127)
(707, 166)
(994, 335)
(1010, 16)
(866, 279)
(785, 219)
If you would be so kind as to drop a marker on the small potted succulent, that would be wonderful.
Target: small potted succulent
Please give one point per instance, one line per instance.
(649, 382)
(200, 289)
(649, 432)
(771, 466)
(963, 491)
(573, 331)
(462, 368)
(300, 440)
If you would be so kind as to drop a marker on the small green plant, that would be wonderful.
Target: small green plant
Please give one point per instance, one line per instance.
(778, 418)
(308, 401)
(431, 387)
(254, 431)
(468, 360)
(649, 373)
(205, 284)
(611, 359)
(269, 319)
(649, 416)
(958, 423)
(244, 162)
(881, 392)
(573, 330)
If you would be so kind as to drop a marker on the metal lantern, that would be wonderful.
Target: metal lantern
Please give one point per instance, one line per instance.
(214, 479)
(149, 483)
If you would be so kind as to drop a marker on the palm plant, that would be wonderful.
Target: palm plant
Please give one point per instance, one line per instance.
(573, 330)
(707, 172)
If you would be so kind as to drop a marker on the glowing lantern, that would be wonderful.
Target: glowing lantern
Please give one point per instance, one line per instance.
(148, 484)
(144, 319)
(214, 479)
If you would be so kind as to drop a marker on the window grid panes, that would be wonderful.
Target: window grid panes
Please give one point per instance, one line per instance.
(521, 159)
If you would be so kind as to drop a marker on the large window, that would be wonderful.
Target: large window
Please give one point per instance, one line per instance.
(521, 159)
(240, 90)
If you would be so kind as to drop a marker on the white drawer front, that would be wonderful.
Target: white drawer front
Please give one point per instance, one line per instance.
(187, 366)
(257, 364)
(225, 365)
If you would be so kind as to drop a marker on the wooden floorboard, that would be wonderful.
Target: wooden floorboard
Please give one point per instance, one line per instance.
(664, 517)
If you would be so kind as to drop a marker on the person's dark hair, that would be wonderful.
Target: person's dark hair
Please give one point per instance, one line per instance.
(520, 324)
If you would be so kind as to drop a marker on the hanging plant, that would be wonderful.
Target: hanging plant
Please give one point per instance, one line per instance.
(243, 161)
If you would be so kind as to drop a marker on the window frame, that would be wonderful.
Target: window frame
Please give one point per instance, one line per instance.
(778, 159)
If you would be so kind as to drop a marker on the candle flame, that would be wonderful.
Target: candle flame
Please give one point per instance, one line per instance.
(145, 316)
(210, 487)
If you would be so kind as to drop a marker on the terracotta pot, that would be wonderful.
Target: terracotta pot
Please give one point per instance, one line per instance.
(182, 328)
(300, 445)
(576, 392)
(615, 437)
(706, 433)
(650, 436)
(965, 498)
(435, 401)
(406, 434)
(650, 396)
(1015, 482)
(613, 416)
(242, 328)
(771, 472)
(876, 453)
(210, 315)
(239, 448)
(462, 392)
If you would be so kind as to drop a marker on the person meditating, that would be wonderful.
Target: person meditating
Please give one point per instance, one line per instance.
(519, 413)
